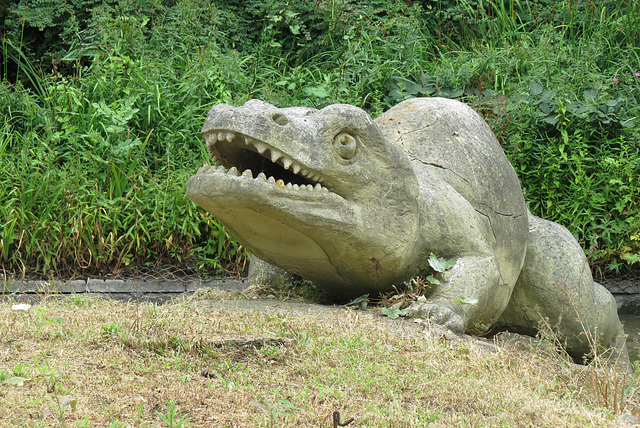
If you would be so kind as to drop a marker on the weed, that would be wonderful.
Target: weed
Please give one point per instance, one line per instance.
(407, 299)
(278, 407)
(608, 374)
(172, 416)
(112, 328)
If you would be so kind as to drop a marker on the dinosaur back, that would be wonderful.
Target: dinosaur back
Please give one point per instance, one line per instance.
(449, 142)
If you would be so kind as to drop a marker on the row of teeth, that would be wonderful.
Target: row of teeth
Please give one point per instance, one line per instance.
(262, 177)
(275, 154)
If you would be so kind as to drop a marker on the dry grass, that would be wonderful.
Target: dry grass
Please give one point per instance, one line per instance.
(90, 362)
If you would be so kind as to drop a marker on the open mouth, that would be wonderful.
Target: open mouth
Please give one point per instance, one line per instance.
(242, 155)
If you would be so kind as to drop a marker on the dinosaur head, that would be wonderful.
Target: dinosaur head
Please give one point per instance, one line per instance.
(320, 193)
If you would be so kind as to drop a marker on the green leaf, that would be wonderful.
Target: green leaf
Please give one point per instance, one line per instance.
(415, 88)
(362, 301)
(439, 264)
(545, 108)
(318, 91)
(630, 258)
(465, 301)
(392, 313)
(295, 29)
(536, 89)
(433, 280)
(17, 380)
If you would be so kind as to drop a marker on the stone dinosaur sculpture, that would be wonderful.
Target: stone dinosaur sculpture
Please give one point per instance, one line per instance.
(357, 205)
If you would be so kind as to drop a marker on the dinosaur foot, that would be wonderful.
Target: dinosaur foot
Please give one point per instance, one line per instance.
(443, 315)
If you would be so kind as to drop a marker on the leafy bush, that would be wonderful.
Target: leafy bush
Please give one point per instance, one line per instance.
(106, 101)
(95, 167)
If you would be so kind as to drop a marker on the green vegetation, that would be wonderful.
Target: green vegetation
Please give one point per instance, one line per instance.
(102, 103)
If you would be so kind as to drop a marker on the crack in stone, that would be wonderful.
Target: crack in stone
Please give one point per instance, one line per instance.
(488, 208)
(413, 157)
(491, 229)
(434, 164)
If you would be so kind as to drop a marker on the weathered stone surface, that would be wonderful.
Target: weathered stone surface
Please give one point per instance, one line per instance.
(319, 208)
(471, 205)
(221, 284)
(623, 286)
(46, 287)
(556, 284)
(110, 286)
(131, 289)
(262, 273)
(628, 304)
(357, 206)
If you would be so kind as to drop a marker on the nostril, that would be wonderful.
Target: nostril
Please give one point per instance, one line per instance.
(280, 119)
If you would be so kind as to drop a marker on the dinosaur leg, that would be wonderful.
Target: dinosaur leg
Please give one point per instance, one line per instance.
(263, 273)
(459, 300)
(556, 285)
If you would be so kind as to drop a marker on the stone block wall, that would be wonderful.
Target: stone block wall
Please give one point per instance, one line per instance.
(130, 289)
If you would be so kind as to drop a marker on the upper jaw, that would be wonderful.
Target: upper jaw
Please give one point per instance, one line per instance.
(250, 157)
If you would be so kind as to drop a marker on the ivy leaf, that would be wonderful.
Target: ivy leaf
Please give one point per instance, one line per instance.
(295, 29)
(465, 301)
(433, 280)
(439, 264)
(394, 313)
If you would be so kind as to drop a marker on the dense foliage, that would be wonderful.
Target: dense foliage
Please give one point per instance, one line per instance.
(102, 104)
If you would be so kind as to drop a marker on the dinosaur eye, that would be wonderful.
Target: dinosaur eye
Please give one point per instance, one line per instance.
(345, 145)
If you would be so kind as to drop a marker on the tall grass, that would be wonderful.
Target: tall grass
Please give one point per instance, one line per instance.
(97, 144)
(95, 164)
